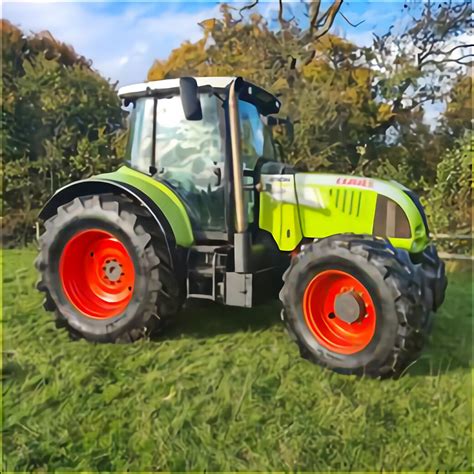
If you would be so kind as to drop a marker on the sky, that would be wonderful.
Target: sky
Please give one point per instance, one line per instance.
(124, 38)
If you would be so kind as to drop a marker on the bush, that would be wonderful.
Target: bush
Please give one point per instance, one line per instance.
(61, 121)
(448, 203)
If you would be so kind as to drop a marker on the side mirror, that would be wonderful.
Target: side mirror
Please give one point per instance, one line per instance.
(188, 90)
(286, 122)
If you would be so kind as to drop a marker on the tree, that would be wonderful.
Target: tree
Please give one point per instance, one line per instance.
(419, 63)
(457, 118)
(330, 96)
(356, 108)
(61, 121)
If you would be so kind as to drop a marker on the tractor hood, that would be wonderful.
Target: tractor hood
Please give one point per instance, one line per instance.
(312, 205)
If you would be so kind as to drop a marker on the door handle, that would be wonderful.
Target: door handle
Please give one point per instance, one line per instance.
(218, 173)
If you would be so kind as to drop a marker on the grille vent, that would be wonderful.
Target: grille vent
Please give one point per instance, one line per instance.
(347, 201)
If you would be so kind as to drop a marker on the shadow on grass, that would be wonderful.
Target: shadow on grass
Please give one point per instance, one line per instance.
(448, 350)
(202, 319)
(450, 345)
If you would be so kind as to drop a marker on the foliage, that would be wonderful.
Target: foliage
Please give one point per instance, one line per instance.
(224, 392)
(449, 202)
(357, 110)
(420, 60)
(458, 115)
(330, 97)
(420, 64)
(61, 121)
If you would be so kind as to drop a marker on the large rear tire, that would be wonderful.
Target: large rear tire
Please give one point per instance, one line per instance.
(106, 270)
(353, 303)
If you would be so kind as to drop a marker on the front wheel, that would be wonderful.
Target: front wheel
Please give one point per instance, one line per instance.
(106, 272)
(354, 304)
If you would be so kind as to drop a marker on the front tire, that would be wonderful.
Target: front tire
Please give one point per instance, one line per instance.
(433, 273)
(105, 270)
(353, 304)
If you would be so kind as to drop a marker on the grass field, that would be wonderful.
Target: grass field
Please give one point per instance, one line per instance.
(224, 390)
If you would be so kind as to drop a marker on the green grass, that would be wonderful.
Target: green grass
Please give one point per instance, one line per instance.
(224, 390)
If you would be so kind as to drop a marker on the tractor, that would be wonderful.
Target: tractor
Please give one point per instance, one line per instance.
(205, 207)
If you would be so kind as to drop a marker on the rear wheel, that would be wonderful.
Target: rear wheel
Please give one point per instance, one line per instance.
(354, 304)
(106, 272)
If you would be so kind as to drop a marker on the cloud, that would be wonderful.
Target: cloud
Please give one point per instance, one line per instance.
(122, 42)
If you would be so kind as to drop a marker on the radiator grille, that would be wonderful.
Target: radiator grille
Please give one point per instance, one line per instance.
(347, 201)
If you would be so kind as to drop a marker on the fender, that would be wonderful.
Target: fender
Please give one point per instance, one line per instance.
(169, 228)
(155, 196)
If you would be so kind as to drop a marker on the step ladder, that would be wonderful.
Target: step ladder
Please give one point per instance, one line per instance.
(207, 265)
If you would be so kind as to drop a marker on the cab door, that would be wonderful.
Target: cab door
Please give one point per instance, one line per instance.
(190, 158)
(256, 143)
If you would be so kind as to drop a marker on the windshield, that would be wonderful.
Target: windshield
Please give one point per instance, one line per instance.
(181, 146)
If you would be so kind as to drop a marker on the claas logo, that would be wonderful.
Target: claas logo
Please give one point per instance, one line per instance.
(365, 183)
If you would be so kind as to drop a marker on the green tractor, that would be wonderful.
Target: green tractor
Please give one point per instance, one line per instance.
(204, 207)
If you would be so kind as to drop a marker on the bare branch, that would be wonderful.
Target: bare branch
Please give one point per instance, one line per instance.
(329, 18)
(350, 23)
(280, 12)
(459, 46)
(283, 23)
(315, 6)
(440, 52)
(247, 7)
(451, 60)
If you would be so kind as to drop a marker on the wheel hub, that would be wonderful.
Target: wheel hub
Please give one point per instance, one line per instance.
(349, 306)
(112, 270)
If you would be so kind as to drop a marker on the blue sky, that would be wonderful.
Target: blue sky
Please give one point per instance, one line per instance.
(123, 38)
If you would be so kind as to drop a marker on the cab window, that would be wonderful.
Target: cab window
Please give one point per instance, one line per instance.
(256, 137)
(140, 141)
(187, 151)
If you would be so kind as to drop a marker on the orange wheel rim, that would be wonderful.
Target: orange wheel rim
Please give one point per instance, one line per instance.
(97, 274)
(329, 329)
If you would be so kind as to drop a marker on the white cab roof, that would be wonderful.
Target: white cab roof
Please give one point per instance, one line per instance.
(168, 84)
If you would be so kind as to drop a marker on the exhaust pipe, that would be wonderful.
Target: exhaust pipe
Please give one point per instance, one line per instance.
(241, 237)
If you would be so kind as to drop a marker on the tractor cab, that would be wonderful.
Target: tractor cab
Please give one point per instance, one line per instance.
(181, 134)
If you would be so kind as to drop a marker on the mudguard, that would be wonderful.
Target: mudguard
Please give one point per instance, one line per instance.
(162, 203)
